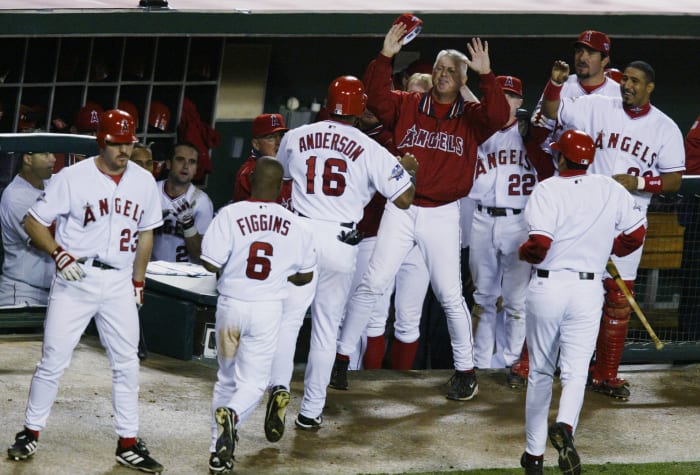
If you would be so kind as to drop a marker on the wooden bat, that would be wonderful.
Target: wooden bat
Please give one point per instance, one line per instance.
(615, 274)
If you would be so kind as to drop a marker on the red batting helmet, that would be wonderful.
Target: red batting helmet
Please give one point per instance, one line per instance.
(88, 117)
(159, 116)
(131, 108)
(576, 146)
(346, 96)
(116, 126)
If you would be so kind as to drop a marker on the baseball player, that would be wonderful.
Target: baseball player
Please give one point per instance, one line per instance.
(268, 130)
(143, 157)
(689, 217)
(187, 210)
(574, 220)
(442, 131)
(591, 57)
(26, 271)
(257, 246)
(105, 208)
(409, 286)
(336, 170)
(640, 147)
(503, 181)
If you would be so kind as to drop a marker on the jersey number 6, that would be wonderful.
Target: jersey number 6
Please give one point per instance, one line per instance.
(259, 265)
(333, 178)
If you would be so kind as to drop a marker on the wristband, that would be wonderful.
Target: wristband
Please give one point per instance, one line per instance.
(189, 231)
(650, 184)
(138, 283)
(552, 91)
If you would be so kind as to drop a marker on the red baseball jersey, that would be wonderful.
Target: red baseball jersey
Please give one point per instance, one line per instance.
(242, 186)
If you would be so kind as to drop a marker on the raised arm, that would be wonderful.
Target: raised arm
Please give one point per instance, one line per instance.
(550, 99)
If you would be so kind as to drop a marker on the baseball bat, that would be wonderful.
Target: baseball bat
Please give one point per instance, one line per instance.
(615, 274)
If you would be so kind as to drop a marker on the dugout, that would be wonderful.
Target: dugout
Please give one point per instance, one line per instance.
(254, 60)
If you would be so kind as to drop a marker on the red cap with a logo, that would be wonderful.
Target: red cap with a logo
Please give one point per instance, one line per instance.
(267, 124)
(511, 84)
(595, 40)
(414, 25)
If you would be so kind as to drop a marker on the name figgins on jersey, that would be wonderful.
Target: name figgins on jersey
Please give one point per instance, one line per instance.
(433, 140)
(120, 206)
(263, 222)
(331, 141)
(628, 145)
(502, 157)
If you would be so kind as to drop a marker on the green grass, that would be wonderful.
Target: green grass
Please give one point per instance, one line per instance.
(674, 468)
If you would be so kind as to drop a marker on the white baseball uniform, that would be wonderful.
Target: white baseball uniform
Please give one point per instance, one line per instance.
(647, 145)
(336, 170)
(581, 215)
(571, 88)
(257, 245)
(100, 220)
(168, 240)
(26, 271)
(503, 182)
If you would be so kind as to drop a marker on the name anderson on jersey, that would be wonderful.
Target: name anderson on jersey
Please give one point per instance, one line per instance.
(434, 140)
(120, 206)
(331, 141)
(263, 222)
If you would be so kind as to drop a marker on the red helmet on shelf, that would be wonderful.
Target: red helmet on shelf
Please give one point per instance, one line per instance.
(577, 146)
(131, 108)
(116, 126)
(88, 117)
(346, 96)
(159, 116)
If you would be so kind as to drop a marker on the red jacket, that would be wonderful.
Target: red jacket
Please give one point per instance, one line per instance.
(242, 186)
(692, 150)
(445, 147)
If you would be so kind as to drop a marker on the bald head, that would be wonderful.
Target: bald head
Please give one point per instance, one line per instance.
(266, 180)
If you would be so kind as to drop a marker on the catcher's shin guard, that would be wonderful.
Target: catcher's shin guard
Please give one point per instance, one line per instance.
(611, 341)
(374, 354)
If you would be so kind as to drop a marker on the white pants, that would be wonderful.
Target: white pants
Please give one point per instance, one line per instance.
(436, 233)
(246, 338)
(335, 268)
(15, 292)
(563, 318)
(497, 271)
(108, 295)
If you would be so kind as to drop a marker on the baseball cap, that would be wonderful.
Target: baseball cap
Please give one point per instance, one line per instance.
(596, 40)
(414, 25)
(511, 84)
(266, 124)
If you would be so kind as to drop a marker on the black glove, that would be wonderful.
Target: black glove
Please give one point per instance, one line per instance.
(523, 116)
(352, 238)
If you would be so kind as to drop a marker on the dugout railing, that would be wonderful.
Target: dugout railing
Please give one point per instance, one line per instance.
(668, 281)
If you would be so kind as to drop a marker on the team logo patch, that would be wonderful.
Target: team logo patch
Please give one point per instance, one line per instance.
(94, 117)
(274, 121)
(125, 126)
(509, 82)
(397, 172)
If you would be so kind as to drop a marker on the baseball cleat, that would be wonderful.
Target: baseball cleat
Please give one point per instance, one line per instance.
(515, 380)
(308, 423)
(563, 441)
(617, 388)
(463, 386)
(216, 465)
(226, 443)
(137, 457)
(24, 446)
(276, 413)
(532, 465)
(339, 376)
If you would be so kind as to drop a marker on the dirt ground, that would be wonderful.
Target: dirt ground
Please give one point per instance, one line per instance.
(388, 422)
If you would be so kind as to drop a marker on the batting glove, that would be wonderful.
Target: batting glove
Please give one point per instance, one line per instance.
(138, 292)
(184, 214)
(67, 265)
